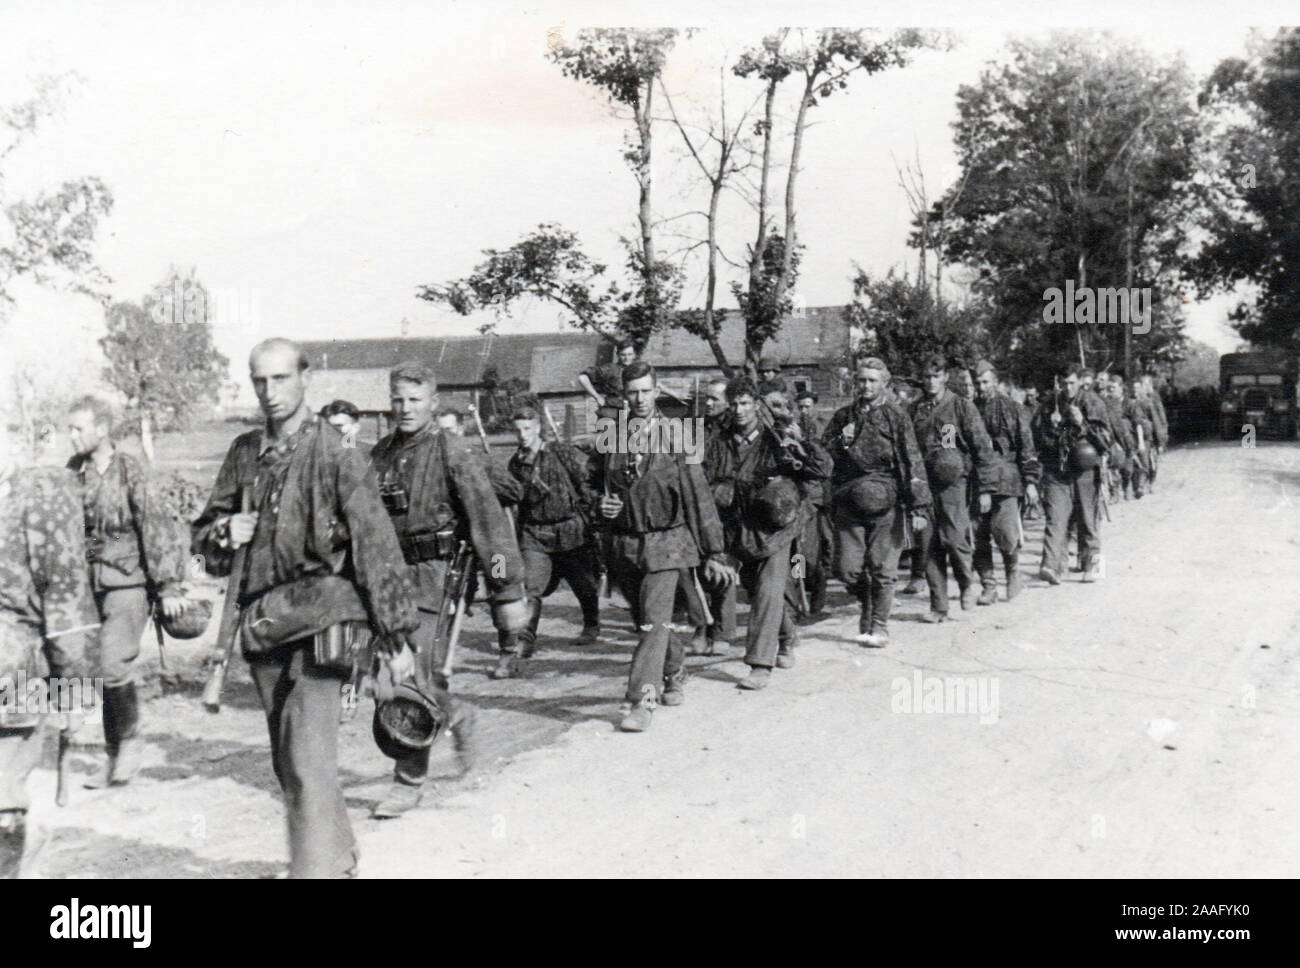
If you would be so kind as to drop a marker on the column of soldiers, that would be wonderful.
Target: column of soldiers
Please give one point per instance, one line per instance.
(341, 545)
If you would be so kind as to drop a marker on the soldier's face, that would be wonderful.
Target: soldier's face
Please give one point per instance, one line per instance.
(768, 374)
(1072, 384)
(715, 401)
(278, 382)
(935, 383)
(778, 406)
(84, 432)
(1031, 397)
(626, 356)
(870, 384)
(640, 396)
(449, 423)
(528, 433)
(987, 384)
(413, 405)
(805, 405)
(346, 424)
(745, 410)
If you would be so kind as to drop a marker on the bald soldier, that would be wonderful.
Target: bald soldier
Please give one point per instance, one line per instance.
(437, 492)
(323, 563)
(48, 621)
(137, 558)
(877, 478)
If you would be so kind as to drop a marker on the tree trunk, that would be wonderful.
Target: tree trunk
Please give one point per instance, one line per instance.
(645, 213)
(146, 436)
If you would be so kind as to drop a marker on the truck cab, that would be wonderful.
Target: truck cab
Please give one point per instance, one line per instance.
(1258, 389)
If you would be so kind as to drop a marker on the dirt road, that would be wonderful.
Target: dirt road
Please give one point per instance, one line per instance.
(1146, 724)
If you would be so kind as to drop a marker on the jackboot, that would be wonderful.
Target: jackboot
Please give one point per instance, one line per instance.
(115, 716)
(1015, 584)
(989, 594)
(464, 736)
(13, 838)
(129, 750)
(400, 798)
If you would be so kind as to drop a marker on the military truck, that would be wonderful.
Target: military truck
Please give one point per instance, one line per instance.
(1258, 389)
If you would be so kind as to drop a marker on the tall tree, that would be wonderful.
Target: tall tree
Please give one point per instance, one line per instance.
(161, 356)
(821, 62)
(1247, 200)
(1073, 151)
(902, 322)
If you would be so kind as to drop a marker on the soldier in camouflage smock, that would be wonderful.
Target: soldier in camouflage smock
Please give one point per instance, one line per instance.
(48, 622)
(137, 559)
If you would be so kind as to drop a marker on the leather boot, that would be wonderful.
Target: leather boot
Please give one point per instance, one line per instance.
(989, 593)
(1015, 584)
(882, 603)
(129, 750)
(400, 798)
(13, 838)
(112, 740)
(464, 736)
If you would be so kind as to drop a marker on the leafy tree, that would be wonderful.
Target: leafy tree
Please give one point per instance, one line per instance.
(1074, 151)
(902, 322)
(1248, 195)
(46, 237)
(161, 356)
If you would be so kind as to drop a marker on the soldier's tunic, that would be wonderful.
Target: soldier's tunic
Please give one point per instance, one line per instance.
(1141, 418)
(319, 513)
(1016, 466)
(1069, 493)
(447, 491)
(1123, 443)
(607, 380)
(817, 540)
(722, 598)
(48, 620)
(883, 453)
(953, 441)
(666, 525)
(737, 467)
(136, 555)
(549, 490)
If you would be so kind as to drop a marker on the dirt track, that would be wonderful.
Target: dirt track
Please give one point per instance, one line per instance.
(1146, 724)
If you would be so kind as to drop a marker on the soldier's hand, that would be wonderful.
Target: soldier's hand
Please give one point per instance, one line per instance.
(401, 664)
(1031, 494)
(1056, 418)
(717, 572)
(1076, 415)
(920, 522)
(986, 503)
(172, 605)
(611, 505)
(242, 527)
(848, 433)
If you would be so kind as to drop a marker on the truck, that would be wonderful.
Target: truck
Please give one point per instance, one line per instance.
(1258, 389)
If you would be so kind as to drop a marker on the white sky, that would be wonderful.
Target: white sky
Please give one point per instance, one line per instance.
(332, 157)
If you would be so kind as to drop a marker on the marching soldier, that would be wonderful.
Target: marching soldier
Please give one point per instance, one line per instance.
(48, 620)
(1123, 445)
(878, 481)
(436, 492)
(321, 558)
(953, 442)
(1070, 434)
(548, 483)
(136, 559)
(1017, 476)
(754, 473)
(722, 596)
(1143, 422)
(662, 522)
(818, 536)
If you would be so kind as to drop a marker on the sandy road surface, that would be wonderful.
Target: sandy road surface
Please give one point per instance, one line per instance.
(1146, 724)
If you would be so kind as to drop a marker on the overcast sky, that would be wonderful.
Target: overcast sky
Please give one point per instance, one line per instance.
(331, 157)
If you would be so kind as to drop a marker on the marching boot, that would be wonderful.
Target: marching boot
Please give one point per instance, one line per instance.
(882, 601)
(129, 749)
(13, 838)
(637, 719)
(674, 689)
(865, 619)
(508, 664)
(112, 740)
(989, 593)
(400, 798)
(1015, 583)
(464, 736)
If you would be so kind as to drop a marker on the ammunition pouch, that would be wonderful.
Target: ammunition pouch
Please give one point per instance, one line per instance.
(428, 545)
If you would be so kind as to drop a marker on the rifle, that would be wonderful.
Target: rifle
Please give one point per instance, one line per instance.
(482, 434)
(454, 583)
(228, 631)
(64, 764)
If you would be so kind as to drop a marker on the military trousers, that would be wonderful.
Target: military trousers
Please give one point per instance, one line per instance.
(770, 629)
(123, 616)
(948, 540)
(1071, 494)
(302, 703)
(1001, 526)
(866, 558)
(659, 654)
(543, 569)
